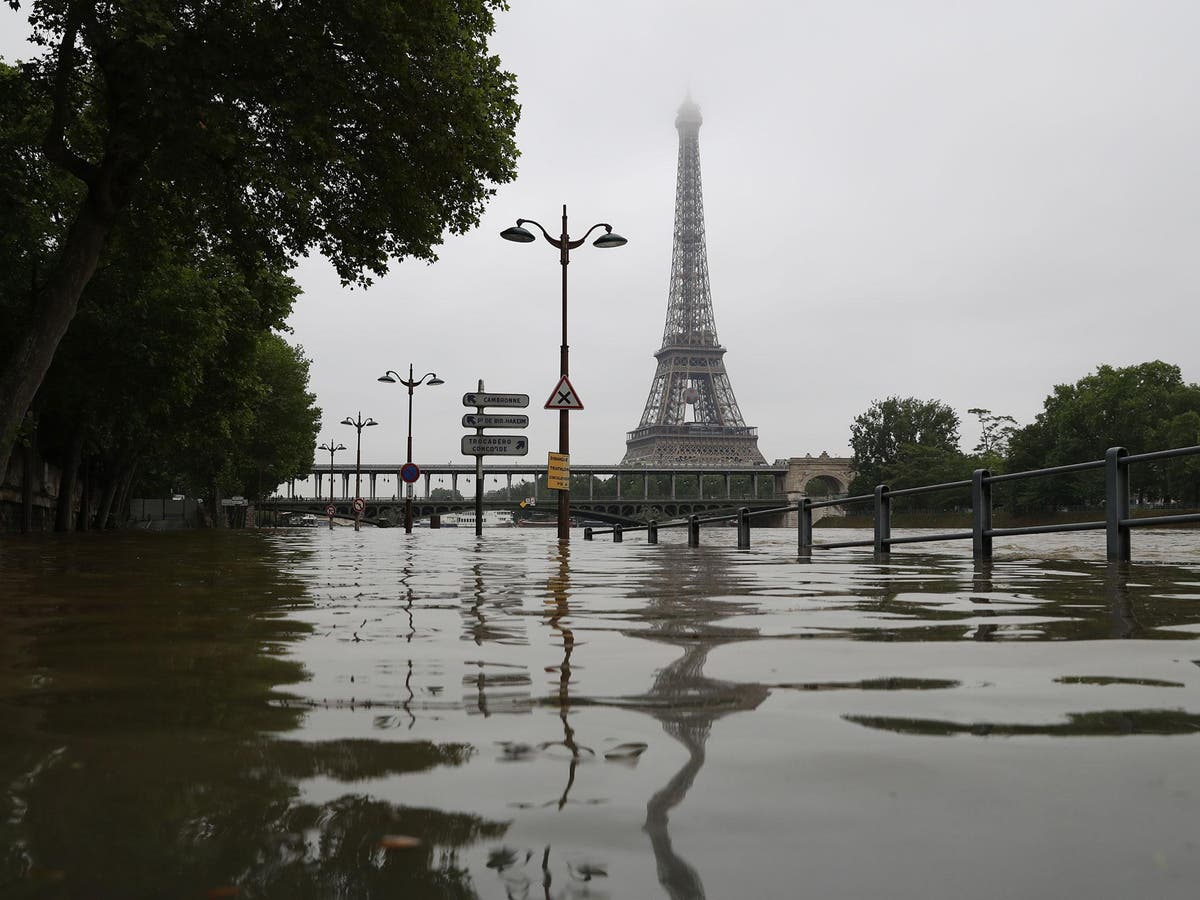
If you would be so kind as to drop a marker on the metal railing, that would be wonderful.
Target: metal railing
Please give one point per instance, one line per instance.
(1117, 524)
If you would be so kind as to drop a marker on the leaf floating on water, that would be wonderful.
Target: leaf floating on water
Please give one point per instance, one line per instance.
(399, 842)
(631, 750)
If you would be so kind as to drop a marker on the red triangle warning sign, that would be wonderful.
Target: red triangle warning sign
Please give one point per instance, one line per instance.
(564, 396)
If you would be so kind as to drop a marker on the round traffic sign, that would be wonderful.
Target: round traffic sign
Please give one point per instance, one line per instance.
(410, 472)
(331, 510)
(359, 504)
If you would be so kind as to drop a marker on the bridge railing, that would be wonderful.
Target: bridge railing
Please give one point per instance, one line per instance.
(1117, 524)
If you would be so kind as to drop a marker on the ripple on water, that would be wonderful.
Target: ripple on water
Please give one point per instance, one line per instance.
(318, 713)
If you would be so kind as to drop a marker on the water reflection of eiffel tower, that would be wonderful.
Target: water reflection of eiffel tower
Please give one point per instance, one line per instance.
(691, 365)
(685, 700)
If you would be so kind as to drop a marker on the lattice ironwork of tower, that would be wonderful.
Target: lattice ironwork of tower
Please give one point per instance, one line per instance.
(691, 365)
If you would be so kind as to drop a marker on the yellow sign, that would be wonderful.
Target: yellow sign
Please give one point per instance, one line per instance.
(558, 472)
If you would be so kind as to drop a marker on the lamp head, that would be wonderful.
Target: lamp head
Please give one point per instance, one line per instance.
(518, 234)
(387, 379)
(347, 421)
(609, 239)
(436, 380)
(369, 422)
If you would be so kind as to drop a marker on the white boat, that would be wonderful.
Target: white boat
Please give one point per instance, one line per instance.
(492, 518)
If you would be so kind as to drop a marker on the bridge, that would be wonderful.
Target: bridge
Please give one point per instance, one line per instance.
(617, 493)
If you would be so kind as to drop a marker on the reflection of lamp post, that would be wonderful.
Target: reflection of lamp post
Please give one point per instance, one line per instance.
(329, 445)
(565, 245)
(359, 424)
(391, 378)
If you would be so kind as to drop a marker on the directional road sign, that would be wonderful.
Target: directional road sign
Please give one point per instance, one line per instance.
(495, 445)
(563, 396)
(512, 401)
(484, 420)
(410, 472)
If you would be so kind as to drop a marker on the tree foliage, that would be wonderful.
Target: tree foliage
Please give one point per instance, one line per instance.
(364, 130)
(1141, 407)
(896, 436)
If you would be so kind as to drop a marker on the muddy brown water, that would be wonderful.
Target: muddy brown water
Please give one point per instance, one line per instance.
(317, 714)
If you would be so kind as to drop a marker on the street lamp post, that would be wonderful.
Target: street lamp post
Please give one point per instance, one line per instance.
(359, 424)
(332, 448)
(565, 245)
(391, 377)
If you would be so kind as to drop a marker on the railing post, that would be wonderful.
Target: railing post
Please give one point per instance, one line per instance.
(652, 532)
(693, 530)
(587, 534)
(743, 528)
(618, 537)
(804, 527)
(1116, 504)
(981, 514)
(883, 519)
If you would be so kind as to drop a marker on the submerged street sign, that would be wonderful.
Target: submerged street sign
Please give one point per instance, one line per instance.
(513, 401)
(495, 445)
(486, 420)
(558, 471)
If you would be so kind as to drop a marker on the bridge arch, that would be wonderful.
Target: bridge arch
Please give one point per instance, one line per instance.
(819, 476)
(825, 485)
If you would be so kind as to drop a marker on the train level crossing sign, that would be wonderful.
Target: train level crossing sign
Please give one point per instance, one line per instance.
(488, 420)
(513, 401)
(563, 396)
(495, 445)
(410, 472)
(359, 504)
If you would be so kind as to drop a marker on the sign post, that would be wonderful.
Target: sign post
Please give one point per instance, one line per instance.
(564, 399)
(480, 444)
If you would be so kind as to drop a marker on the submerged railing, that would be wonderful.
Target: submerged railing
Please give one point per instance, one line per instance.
(1117, 524)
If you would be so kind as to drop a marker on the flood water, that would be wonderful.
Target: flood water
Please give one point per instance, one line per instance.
(331, 714)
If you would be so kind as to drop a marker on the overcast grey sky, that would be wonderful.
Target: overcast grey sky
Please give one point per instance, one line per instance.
(964, 201)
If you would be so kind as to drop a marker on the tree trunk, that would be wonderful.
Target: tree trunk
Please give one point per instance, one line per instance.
(53, 311)
(126, 478)
(106, 500)
(218, 511)
(65, 516)
(27, 487)
(85, 495)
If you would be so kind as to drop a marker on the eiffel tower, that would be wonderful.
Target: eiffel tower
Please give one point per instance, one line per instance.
(691, 367)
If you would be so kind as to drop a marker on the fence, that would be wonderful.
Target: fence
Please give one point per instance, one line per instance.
(1117, 525)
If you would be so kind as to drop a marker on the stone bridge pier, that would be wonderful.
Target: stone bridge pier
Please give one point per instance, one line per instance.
(817, 477)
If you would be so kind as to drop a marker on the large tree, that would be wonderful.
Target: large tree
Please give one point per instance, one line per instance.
(881, 438)
(1142, 407)
(361, 128)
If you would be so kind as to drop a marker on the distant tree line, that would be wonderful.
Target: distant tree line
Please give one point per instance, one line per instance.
(907, 442)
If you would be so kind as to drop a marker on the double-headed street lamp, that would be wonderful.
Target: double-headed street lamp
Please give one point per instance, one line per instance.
(359, 424)
(391, 377)
(565, 245)
(332, 448)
